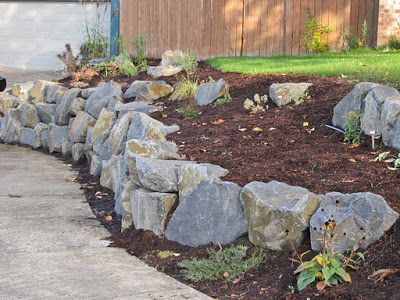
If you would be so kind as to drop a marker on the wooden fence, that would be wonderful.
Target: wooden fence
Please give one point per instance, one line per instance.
(241, 27)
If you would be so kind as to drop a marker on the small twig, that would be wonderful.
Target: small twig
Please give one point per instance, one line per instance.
(334, 128)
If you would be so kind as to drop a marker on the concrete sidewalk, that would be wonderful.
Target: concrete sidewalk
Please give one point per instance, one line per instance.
(51, 245)
(14, 75)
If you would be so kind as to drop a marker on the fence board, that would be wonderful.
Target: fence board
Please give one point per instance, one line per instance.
(222, 28)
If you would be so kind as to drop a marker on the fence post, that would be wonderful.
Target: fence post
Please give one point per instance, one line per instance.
(114, 30)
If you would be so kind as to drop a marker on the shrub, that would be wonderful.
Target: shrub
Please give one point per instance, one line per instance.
(228, 263)
(185, 90)
(352, 130)
(95, 45)
(139, 43)
(355, 42)
(226, 99)
(257, 105)
(188, 113)
(188, 61)
(313, 37)
(394, 43)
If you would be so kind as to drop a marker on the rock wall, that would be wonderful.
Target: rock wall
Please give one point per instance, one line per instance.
(154, 188)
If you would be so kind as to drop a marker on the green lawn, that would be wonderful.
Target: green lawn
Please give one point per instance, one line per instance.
(359, 65)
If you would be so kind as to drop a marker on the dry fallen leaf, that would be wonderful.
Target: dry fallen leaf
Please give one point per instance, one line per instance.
(257, 129)
(352, 146)
(242, 129)
(218, 122)
(204, 150)
(352, 160)
(164, 116)
(226, 275)
(272, 128)
(108, 218)
(203, 124)
(98, 193)
(380, 275)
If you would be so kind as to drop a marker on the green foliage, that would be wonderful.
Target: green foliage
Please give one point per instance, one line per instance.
(188, 61)
(228, 263)
(139, 43)
(355, 42)
(188, 113)
(394, 43)
(95, 44)
(226, 99)
(313, 37)
(393, 161)
(122, 64)
(352, 130)
(257, 105)
(184, 90)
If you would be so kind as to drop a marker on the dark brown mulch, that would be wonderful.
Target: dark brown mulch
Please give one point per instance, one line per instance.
(313, 157)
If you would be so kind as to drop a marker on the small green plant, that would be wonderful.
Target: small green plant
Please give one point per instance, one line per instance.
(352, 130)
(257, 105)
(313, 38)
(226, 99)
(328, 268)
(139, 43)
(188, 61)
(188, 113)
(184, 90)
(225, 264)
(394, 43)
(392, 161)
(355, 42)
(95, 45)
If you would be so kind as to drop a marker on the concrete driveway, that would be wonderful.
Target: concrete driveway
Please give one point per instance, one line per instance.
(14, 75)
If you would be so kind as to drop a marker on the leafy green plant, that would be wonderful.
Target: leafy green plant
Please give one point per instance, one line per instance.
(225, 264)
(393, 161)
(188, 61)
(394, 43)
(139, 43)
(95, 44)
(184, 90)
(328, 268)
(354, 41)
(352, 130)
(313, 38)
(226, 99)
(257, 105)
(188, 113)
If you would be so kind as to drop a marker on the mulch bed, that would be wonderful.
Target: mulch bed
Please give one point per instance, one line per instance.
(313, 157)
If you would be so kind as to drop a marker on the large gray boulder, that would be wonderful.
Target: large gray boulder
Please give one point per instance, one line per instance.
(148, 91)
(53, 93)
(211, 213)
(78, 153)
(351, 102)
(163, 71)
(150, 210)
(62, 109)
(28, 115)
(171, 58)
(36, 93)
(152, 149)
(208, 92)
(80, 126)
(66, 147)
(123, 203)
(360, 218)
(155, 174)
(101, 146)
(96, 165)
(42, 135)
(111, 173)
(86, 93)
(77, 105)
(57, 134)
(275, 210)
(28, 137)
(140, 106)
(190, 175)
(289, 92)
(105, 122)
(104, 97)
(118, 134)
(46, 112)
(390, 122)
(10, 127)
(8, 102)
(144, 127)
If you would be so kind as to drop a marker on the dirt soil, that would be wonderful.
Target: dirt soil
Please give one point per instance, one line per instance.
(310, 156)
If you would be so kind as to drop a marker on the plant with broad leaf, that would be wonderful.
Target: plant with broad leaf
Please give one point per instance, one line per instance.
(393, 161)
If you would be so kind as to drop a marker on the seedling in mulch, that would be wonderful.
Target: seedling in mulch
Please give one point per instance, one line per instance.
(352, 131)
(392, 161)
(257, 105)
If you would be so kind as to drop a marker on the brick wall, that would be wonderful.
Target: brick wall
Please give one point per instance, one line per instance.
(389, 20)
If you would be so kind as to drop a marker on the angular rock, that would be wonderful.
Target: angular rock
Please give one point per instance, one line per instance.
(390, 122)
(36, 93)
(351, 102)
(66, 147)
(372, 106)
(111, 173)
(28, 115)
(42, 135)
(79, 128)
(22, 89)
(150, 210)
(152, 149)
(286, 93)
(119, 133)
(155, 174)
(57, 134)
(10, 127)
(123, 198)
(78, 153)
(170, 57)
(96, 166)
(53, 93)
(77, 105)
(27, 137)
(190, 175)
(88, 144)
(273, 208)
(8, 102)
(144, 127)
(105, 97)
(208, 92)
(62, 109)
(140, 106)
(163, 71)
(105, 121)
(360, 217)
(148, 91)
(86, 93)
(101, 146)
(211, 213)
(46, 112)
